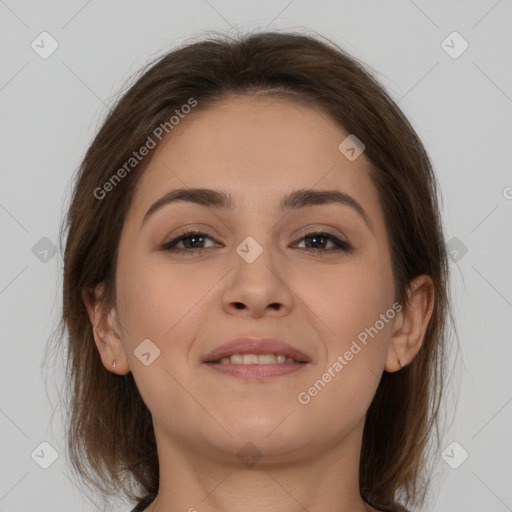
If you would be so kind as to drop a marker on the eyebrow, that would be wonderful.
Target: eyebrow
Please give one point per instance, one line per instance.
(220, 200)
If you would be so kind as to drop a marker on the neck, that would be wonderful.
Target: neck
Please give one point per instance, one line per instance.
(196, 479)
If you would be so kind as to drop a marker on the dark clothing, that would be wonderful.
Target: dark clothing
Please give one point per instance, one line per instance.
(145, 502)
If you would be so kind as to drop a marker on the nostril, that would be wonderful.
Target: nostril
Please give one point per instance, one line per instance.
(239, 305)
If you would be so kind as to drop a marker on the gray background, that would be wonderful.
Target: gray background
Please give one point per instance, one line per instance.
(461, 108)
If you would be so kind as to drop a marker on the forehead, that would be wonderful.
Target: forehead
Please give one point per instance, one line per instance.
(257, 148)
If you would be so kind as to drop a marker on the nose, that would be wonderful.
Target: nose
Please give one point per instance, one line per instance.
(257, 289)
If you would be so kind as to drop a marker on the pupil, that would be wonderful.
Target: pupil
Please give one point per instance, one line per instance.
(194, 240)
(315, 239)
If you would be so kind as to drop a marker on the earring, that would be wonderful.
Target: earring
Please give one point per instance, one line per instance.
(115, 364)
(401, 364)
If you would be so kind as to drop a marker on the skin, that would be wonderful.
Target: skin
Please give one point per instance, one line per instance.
(258, 149)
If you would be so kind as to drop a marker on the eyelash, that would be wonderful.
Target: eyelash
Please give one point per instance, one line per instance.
(341, 245)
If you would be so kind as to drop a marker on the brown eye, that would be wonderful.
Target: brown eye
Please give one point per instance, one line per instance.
(189, 241)
(324, 242)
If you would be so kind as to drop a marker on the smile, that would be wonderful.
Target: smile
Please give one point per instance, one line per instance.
(257, 359)
(252, 367)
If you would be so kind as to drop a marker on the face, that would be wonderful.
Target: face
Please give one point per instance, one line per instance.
(314, 273)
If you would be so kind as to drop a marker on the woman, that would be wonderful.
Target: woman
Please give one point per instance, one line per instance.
(255, 287)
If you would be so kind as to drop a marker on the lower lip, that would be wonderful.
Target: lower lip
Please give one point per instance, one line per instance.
(257, 371)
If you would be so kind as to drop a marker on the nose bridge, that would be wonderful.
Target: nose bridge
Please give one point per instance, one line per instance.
(254, 245)
(254, 261)
(255, 283)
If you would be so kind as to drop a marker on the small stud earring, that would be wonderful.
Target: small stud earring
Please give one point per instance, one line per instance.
(115, 364)
(401, 364)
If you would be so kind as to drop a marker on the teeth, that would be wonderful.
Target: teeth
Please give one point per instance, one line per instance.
(256, 359)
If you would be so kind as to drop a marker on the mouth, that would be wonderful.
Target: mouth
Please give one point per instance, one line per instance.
(256, 358)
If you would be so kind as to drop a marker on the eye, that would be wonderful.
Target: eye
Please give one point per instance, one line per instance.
(324, 242)
(189, 241)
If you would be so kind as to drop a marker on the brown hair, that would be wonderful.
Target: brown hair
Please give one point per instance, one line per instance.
(110, 431)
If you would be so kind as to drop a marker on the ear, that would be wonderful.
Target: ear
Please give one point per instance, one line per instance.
(106, 330)
(410, 323)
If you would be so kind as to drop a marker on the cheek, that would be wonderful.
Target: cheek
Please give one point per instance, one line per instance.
(349, 298)
(162, 301)
(357, 341)
(349, 303)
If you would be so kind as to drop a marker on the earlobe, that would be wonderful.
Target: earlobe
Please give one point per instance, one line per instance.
(410, 324)
(107, 335)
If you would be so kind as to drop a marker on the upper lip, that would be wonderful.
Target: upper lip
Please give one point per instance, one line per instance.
(258, 346)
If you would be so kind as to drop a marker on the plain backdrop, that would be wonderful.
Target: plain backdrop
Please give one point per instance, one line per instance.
(458, 99)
